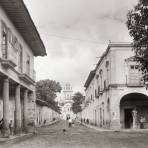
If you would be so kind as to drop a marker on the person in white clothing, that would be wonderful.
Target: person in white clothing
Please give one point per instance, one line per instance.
(70, 122)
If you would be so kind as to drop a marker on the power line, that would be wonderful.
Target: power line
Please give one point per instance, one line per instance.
(70, 38)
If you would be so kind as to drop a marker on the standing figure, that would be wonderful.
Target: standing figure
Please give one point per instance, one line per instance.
(134, 114)
(11, 127)
(142, 120)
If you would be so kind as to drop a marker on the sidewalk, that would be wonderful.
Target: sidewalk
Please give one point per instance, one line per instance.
(98, 128)
(15, 138)
(48, 124)
(21, 137)
(115, 130)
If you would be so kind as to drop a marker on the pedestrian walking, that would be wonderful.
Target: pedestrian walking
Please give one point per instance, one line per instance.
(70, 122)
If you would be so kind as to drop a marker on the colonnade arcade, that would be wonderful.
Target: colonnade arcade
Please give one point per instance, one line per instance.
(14, 105)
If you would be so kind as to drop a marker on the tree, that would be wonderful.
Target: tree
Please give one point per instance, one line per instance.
(137, 23)
(78, 99)
(46, 90)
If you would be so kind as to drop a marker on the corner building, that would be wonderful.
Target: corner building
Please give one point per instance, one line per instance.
(116, 96)
(19, 43)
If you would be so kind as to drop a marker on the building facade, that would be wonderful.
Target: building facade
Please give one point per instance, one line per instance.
(19, 43)
(116, 96)
(65, 101)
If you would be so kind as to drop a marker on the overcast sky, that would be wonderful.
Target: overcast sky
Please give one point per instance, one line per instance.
(75, 32)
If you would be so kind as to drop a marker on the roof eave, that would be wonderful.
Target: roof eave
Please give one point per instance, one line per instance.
(20, 17)
(89, 79)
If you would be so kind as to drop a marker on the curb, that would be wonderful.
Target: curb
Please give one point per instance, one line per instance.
(12, 140)
(99, 129)
(141, 131)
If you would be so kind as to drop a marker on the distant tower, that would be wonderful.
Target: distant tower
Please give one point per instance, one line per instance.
(67, 91)
(66, 101)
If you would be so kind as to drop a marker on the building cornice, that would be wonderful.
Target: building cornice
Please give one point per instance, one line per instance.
(20, 17)
(111, 44)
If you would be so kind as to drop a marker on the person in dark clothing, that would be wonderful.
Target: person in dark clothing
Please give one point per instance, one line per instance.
(1, 125)
(87, 121)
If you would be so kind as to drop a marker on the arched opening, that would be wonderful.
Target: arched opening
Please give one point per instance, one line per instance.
(133, 106)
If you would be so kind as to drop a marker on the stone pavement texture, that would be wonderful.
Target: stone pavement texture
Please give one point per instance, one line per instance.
(80, 136)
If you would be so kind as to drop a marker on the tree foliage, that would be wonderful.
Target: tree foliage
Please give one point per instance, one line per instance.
(78, 99)
(46, 90)
(137, 23)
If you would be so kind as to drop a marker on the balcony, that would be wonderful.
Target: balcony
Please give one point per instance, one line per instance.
(140, 84)
(97, 96)
(7, 63)
(34, 75)
(24, 77)
(101, 91)
(135, 81)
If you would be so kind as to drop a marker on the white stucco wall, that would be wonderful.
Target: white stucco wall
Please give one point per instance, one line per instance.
(45, 115)
(26, 51)
(117, 79)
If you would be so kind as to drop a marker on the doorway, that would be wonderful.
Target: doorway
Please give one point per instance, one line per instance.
(128, 118)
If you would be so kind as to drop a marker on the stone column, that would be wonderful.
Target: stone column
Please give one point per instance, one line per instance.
(6, 106)
(134, 114)
(25, 110)
(32, 112)
(34, 106)
(17, 110)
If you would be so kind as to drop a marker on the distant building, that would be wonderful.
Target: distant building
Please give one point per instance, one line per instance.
(20, 42)
(65, 101)
(116, 96)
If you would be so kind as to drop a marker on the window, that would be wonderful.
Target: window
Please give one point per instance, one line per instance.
(103, 114)
(14, 42)
(98, 89)
(100, 117)
(104, 84)
(28, 65)
(132, 67)
(101, 74)
(107, 64)
(20, 59)
(97, 76)
(91, 97)
(136, 67)
(10, 36)
(107, 73)
(95, 93)
(108, 105)
(4, 41)
(134, 76)
(67, 86)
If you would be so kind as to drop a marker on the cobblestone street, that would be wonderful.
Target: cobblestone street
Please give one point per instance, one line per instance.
(81, 137)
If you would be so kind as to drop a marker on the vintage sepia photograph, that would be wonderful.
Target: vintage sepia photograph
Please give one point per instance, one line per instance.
(73, 73)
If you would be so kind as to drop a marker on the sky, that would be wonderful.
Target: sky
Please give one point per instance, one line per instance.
(75, 34)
